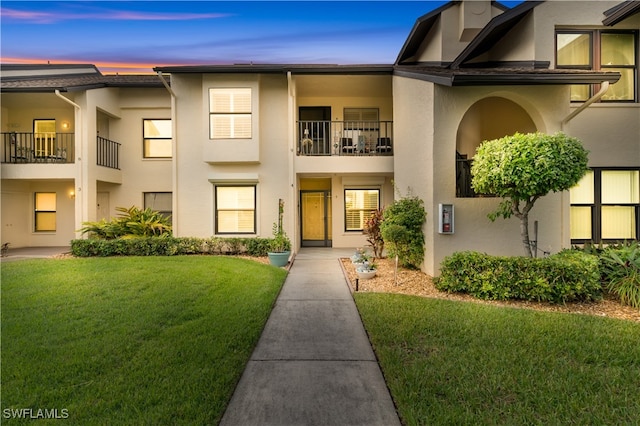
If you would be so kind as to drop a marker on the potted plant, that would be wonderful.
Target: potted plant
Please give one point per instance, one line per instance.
(366, 270)
(280, 245)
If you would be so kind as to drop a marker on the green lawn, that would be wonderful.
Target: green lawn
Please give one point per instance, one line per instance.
(449, 362)
(138, 340)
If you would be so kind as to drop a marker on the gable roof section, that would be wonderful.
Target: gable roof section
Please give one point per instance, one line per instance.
(461, 72)
(419, 32)
(66, 78)
(497, 28)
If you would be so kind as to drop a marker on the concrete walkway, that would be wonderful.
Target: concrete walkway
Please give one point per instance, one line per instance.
(314, 364)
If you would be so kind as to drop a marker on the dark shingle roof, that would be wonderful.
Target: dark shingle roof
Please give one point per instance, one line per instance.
(65, 78)
(504, 76)
(279, 69)
(621, 12)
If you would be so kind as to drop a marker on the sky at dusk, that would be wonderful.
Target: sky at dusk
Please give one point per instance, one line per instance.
(135, 36)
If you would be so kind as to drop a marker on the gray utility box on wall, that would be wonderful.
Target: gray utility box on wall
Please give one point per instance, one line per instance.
(445, 218)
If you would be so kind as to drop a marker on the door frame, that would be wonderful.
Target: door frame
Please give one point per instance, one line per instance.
(327, 242)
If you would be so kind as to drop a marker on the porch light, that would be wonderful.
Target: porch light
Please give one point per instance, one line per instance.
(66, 125)
(72, 194)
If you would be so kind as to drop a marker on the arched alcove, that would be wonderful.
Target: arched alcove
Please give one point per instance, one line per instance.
(489, 118)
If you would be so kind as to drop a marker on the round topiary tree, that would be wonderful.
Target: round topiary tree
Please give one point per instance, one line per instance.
(524, 167)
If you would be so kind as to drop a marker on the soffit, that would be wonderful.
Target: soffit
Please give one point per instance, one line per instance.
(504, 76)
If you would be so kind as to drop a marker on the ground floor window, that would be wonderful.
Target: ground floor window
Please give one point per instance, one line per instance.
(235, 209)
(45, 211)
(358, 205)
(605, 206)
(161, 202)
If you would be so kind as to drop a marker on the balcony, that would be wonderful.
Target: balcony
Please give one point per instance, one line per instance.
(345, 138)
(46, 148)
(53, 148)
(108, 153)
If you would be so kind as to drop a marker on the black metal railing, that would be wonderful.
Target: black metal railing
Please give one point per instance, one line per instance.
(108, 153)
(22, 147)
(327, 138)
(463, 177)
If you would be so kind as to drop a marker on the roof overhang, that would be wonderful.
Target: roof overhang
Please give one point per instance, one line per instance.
(621, 12)
(317, 69)
(75, 83)
(502, 76)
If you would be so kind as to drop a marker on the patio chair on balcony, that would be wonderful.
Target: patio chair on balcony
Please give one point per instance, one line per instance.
(384, 146)
(347, 145)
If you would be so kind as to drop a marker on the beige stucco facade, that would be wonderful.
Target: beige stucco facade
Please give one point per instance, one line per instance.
(431, 119)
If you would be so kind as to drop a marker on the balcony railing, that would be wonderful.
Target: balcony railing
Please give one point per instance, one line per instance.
(19, 147)
(327, 138)
(463, 177)
(108, 153)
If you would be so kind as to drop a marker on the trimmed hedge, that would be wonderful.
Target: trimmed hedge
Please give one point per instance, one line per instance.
(563, 277)
(169, 246)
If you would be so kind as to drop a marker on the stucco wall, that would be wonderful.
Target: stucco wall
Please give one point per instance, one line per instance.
(17, 227)
(427, 120)
(194, 187)
(611, 133)
(414, 154)
(138, 174)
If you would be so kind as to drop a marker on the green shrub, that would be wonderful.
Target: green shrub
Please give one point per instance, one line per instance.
(621, 272)
(257, 246)
(564, 277)
(131, 221)
(401, 229)
(168, 246)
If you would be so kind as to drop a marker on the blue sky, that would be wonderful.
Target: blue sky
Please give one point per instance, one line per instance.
(134, 36)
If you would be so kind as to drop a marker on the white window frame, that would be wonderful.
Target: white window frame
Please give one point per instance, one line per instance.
(361, 210)
(150, 138)
(216, 210)
(237, 113)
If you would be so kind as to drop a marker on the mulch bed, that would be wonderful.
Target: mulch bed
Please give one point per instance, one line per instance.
(418, 283)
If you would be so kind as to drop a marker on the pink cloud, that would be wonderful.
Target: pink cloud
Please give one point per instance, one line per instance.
(115, 15)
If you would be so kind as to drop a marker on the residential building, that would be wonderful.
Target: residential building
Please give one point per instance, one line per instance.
(218, 146)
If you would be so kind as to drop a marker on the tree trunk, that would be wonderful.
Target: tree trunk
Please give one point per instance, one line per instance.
(524, 234)
(524, 222)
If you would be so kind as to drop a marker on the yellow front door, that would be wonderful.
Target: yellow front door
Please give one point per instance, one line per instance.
(316, 218)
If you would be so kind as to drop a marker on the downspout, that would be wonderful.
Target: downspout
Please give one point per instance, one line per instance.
(292, 193)
(174, 154)
(594, 98)
(79, 197)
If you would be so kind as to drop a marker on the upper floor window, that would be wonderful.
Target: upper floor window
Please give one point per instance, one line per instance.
(601, 51)
(230, 113)
(156, 138)
(359, 204)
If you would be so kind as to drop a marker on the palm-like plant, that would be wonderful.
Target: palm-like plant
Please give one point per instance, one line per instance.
(131, 222)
